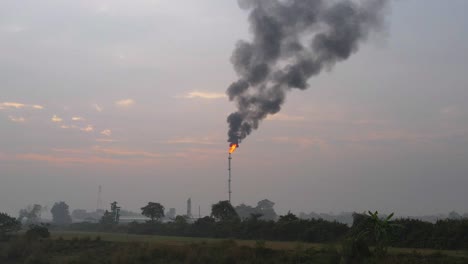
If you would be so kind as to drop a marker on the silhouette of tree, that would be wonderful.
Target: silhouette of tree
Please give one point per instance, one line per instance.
(223, 211)
(60, 214)
(454, 215)
(8, 225)
(289, 217)
(245, 211)
(107, 219)
(380, 230)
(115, 212)
(265, 207)
(37, 231)
(31, 214)
(155, 211)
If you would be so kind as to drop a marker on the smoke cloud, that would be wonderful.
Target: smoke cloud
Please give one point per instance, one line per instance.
(293, 40)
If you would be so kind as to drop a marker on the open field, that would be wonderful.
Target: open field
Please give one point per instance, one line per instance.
(172, 240)
(278, 245)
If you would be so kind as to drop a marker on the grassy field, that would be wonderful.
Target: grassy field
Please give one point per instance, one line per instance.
(170, 240)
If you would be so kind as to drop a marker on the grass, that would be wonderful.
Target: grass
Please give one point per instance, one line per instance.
(427, 252)
(173, 240)
(277, 245)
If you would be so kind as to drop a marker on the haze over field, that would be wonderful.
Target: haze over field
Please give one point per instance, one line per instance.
(131, 95)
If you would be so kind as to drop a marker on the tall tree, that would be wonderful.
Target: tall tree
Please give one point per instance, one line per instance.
(8, 225)
(380, 231)
(31, 214)
(115, 212)
(107, 219)
(246, 211)
(289, 217)
(61, 214)
(265, 207)
(155, 211)
(223, 211)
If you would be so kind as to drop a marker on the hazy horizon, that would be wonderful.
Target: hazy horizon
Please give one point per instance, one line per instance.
(130, 95)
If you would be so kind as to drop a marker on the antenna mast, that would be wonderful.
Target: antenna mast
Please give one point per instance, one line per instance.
(99, 198)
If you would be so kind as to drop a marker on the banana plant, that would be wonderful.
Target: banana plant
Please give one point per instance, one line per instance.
(380, 230)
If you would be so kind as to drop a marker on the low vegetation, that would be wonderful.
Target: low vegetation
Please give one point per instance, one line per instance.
(226, 237)
(94, 248)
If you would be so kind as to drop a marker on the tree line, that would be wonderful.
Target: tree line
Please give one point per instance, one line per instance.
(258, 223)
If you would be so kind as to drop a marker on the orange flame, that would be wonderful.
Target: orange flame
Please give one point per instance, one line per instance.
(233, 147)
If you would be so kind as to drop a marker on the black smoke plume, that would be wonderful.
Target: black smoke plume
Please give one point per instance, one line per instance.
(293, 40)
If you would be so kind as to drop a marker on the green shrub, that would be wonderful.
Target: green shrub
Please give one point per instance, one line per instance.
(37, 231)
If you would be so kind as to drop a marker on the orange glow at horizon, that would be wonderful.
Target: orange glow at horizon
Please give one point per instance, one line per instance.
(233, 147)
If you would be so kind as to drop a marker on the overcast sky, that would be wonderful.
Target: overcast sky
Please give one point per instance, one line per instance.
(130, 95)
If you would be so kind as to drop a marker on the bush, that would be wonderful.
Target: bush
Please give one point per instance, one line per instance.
(8, 225)
(37, 232)
(355, 251)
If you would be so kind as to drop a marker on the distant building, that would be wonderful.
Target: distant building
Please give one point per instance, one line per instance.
(189, 208)
(171, 214)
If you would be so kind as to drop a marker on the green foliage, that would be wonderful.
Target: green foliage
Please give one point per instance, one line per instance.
(8, 225)
(107, 219)
(155, 211)
(377, 233)
(355, 250)
(89, 251)
(264, 210)
(444, 234)
(223, 211)
(31, 214)
(245, 211)
(362, 234)
(37, 231)
(289, 217)
(380, 231)
(369, 229)
(61, 214)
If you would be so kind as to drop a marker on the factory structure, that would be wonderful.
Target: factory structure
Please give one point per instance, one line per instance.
(119, 216)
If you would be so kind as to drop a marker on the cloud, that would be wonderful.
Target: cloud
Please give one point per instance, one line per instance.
(13, 105)
(40, 107)
(70, 151)
(17, 119)
(371, 122)
(204, 95)
(188, 140)
(12, 28)
(62, 160)
(16, 105)
(64, 126)
(78, 118)
(94, 156)
(127, 153)
(56, 119)
(106, 132)
(392, 135)
(452, 112)
(304, 142)
(284, 117)
(98, 108)
(125, 103)
(106, 140)
(88, 129)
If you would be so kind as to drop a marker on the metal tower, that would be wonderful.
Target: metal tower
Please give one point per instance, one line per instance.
(99, 198)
